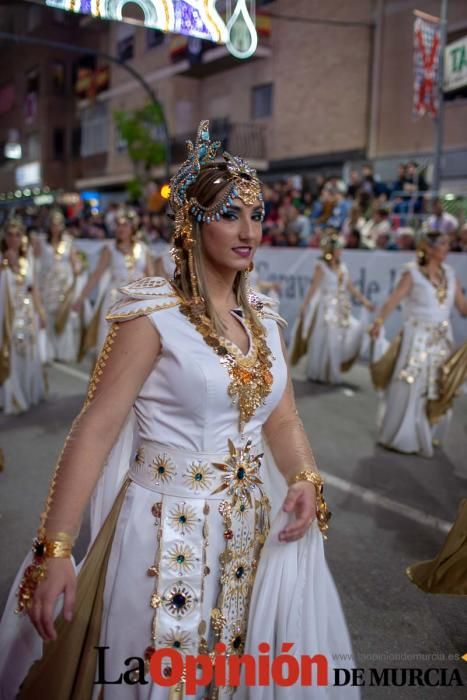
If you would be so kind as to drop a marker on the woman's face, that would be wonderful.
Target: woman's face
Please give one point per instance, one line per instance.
(230, 244)
(337, 254)
(439, 250)
(13, 238)
(55, 230)
(123, 231)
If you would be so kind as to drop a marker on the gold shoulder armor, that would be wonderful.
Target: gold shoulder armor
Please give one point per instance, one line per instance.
(266, 307)
(142, 298)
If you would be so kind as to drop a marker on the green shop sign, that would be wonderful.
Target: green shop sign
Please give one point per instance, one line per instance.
(455, 65)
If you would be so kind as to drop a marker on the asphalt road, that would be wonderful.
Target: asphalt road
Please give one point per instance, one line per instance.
(389, 510)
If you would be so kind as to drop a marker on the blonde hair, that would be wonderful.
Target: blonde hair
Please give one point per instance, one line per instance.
(209, 185)
(15, 224)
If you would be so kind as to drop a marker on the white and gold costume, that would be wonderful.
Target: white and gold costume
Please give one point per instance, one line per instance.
(187, 554)
(21, 374)
(58, 286)
(329, 335)
(123, 269)
(410, 372)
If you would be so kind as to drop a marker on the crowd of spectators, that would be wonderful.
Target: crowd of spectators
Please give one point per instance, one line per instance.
(366, 212)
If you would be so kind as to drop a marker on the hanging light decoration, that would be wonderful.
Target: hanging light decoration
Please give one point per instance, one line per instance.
(197, 18)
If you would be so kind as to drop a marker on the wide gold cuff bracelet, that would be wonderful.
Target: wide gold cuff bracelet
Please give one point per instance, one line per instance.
(323, 514)
(43, 549)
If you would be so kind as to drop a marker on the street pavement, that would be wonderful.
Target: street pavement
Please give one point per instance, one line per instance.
(389, 510)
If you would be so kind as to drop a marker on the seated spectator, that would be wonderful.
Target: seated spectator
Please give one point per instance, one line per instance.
(441, 220)
(405, 238)
(353, 239)
(299, 225)
(293, 239)
(354, 185)
(414, 182)
(398, 184)
(379, 223)
(354, 220)
(340, 211)
(385, 241)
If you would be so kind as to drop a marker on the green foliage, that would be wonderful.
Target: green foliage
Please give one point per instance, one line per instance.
(140, 129)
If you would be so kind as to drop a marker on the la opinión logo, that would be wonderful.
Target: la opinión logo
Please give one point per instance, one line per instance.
(167, 668)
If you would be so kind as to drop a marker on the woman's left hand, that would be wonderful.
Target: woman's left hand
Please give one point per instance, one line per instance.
(301, 500)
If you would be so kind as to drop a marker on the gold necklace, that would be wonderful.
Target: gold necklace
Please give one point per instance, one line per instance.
(441, 287)
(250, 375)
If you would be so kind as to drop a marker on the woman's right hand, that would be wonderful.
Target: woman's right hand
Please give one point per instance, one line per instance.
(60, 578)
(375, 330)
(77, 305)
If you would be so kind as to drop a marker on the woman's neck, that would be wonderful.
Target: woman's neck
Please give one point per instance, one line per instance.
(125, 246)
(220, 287)
(433, 265)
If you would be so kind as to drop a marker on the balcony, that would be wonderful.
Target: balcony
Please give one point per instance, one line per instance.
(247, 140)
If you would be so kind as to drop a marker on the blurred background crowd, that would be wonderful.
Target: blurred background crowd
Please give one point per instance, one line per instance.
(366, 211)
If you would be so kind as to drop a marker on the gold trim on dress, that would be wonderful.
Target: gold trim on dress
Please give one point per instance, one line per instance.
(453, 374)
(64, 310)
(382, 370)
(136, 313)
(446, 573)
(67, 668)
(5, 357)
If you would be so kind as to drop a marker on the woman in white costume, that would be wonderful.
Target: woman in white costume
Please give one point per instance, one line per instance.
(326, 331)
(21, 317)
(183, 515)
(59, 267)
(417, 372)
(121, 261)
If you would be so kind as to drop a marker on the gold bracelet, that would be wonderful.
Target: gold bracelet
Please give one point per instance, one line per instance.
(378, 321)
(323, 513)
(43, 549)
(58, 548)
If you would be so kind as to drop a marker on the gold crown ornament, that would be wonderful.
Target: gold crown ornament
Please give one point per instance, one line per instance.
(241, 182)
(329, 242)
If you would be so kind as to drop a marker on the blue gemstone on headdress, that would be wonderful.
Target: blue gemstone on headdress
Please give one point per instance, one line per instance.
(199, 217)
(208, 220)
(218, 217)
(205, 135)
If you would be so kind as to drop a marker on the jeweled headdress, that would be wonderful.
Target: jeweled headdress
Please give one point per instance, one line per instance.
(241, 181)
(329, 242)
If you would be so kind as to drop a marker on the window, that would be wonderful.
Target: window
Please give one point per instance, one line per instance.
(58, 74)
(94, 130)
(261, 105)
(154, 37)
(125, 41)
(76, 142)
(58, 145)
(32, 81)
(33, 147)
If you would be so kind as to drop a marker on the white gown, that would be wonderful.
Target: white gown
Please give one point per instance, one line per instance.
(58, 286)
(331, 335)
(121, 271)
(22, 377)
(426, 343)
(184, 551)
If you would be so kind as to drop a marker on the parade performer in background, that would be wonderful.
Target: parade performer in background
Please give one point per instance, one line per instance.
(446, 573)
(419, 374)
(59, 267)
(326, 332)
(21, 317)
(209, 523)
(121, 261)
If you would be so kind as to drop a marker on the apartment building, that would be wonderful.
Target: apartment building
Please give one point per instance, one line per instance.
(329, 86)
